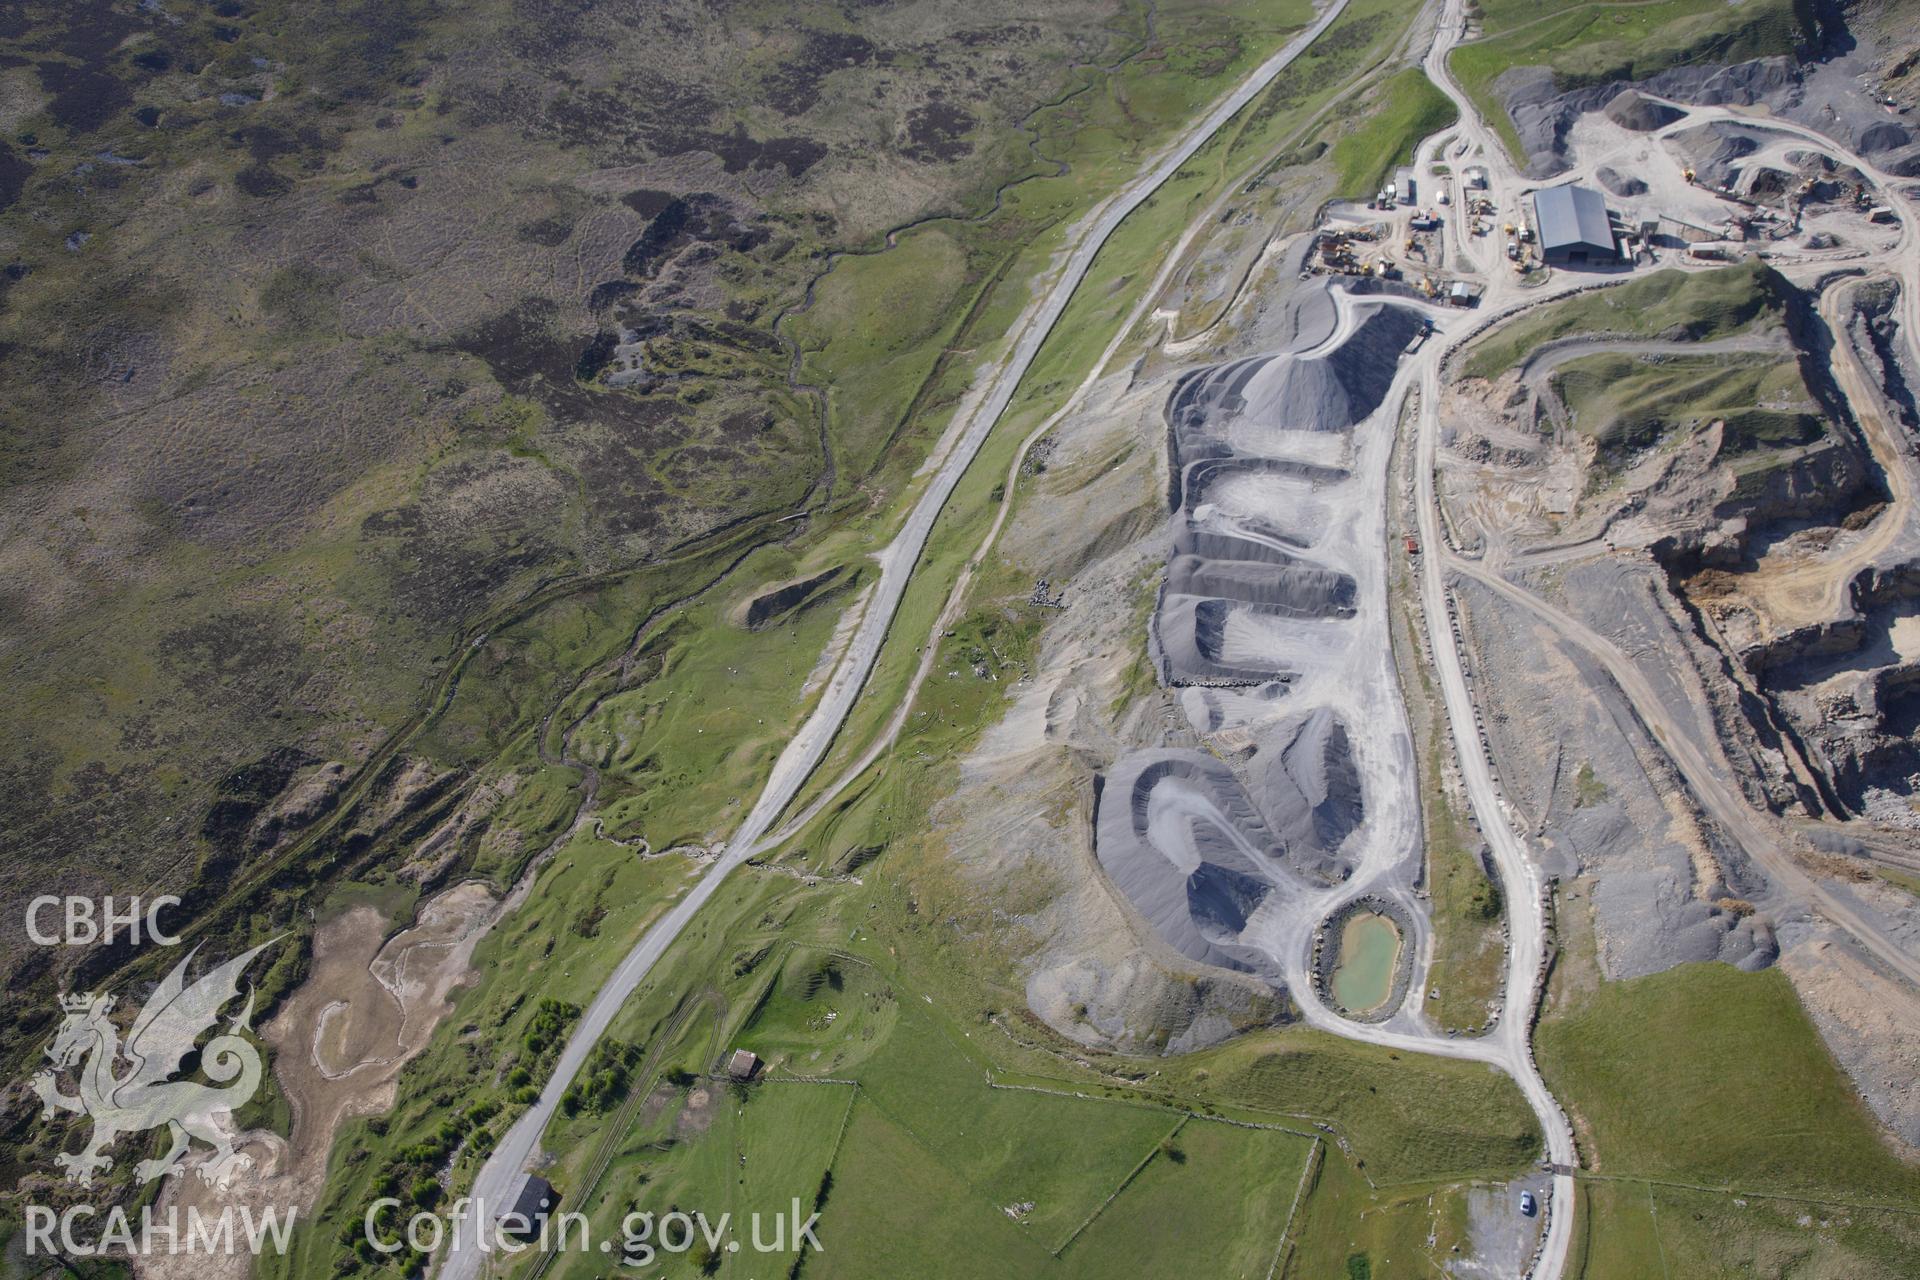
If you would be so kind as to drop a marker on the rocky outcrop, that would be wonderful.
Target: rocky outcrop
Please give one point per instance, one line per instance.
(1822, 481)
(1876, 333)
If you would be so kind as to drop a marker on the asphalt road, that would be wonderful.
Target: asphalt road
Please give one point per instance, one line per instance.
(499, 1179)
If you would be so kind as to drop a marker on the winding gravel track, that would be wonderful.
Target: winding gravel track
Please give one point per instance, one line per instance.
(1519, 877)
(500, 1178)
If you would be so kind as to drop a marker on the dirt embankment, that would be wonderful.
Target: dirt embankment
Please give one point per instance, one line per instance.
(777, 602)
(369, 1005)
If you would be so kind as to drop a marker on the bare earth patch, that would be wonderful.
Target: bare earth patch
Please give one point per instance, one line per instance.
(367, 1008)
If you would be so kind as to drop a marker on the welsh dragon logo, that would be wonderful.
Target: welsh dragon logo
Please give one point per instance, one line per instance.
(143, 1095)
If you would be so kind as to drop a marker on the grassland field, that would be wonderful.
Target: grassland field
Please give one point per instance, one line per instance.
(1411, 109)
(1717, 1134)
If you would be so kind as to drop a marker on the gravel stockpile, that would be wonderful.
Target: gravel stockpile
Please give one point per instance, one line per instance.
(1219, 418)
(1715, 150)
(1290, 590)
(1309, 786)
(1197, 852)
(1543, 115)
(1272, 597)
(1179, 837)
(1630, 109)
(1618, 183)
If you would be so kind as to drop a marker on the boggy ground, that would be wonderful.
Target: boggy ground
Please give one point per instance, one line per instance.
(304, 315)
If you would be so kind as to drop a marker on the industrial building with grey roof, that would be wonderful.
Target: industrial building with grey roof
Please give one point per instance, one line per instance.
(1573, 225)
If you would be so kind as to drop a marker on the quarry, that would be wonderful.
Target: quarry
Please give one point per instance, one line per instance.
(1122, 638)
(1694, 452)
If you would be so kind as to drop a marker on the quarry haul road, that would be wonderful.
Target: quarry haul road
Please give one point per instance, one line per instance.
(1709, 789)
(500, 1178)
(1528, 928)
(1519, 878)
(1547, 358)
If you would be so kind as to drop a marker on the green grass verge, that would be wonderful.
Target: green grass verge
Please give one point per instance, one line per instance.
(1468, 965)
(1409, 108)
(1642, 1229)
(1411, 1118)
(1469, 960)
(1707, 1075)
(1696, 306)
